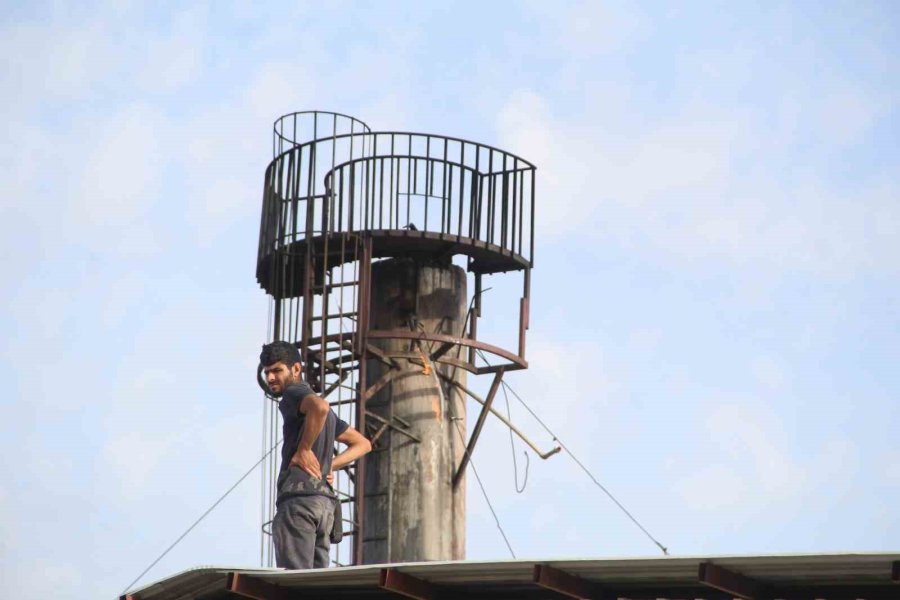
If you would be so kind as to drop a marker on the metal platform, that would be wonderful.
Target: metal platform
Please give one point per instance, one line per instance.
(484, 258)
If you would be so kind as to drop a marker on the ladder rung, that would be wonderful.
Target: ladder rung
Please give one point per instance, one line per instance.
(335, 285)
(340, 402)
(347, 315)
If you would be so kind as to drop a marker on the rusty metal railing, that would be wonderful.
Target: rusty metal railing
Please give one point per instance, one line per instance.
(402, 185)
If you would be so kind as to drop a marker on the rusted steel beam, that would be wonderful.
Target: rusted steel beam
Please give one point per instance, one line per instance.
(406, 585)
(733, 583)
(378, 353)
(306, 324)
(384, 421)
(362, 345)
(565, 583)
(336, 384)
(476, 432)
(458, 363)
(316, 356)
(493, 368)
(524, 311)
(403, 334)
(382, 381)
(523, 325)
(416, 358)
(253, 587)
(337, 338)
(442, 350)
(474, 314)
(378, 433)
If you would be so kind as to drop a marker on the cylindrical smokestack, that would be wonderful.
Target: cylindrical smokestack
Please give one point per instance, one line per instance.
(413, 513)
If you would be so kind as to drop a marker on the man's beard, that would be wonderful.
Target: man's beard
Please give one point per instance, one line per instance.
(288, 380)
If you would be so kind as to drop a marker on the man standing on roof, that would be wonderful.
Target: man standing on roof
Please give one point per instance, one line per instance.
(305, 501)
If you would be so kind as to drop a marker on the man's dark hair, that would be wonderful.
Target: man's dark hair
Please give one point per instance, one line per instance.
(275, 352)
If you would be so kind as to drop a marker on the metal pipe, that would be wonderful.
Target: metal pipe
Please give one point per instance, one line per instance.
(474, 396)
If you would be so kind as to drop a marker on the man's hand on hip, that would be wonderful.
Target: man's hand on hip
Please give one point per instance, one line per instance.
(306, 460)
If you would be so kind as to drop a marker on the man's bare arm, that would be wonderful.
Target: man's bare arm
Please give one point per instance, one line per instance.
(357, 445)
(316, 411)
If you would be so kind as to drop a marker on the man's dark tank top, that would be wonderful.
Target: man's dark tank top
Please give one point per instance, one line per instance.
(292, 480)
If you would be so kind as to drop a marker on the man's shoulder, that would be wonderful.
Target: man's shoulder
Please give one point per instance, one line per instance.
(297, 391)
(291, 398)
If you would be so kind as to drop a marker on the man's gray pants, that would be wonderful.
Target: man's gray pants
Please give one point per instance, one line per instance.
(301, 531)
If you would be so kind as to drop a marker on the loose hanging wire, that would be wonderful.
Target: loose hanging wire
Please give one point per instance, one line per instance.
(512, 447)
(580, 464)
(478, 478)
(203, 516)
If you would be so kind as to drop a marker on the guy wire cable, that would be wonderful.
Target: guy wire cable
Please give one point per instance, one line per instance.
(263, 440)
(664, 549)
(478, 479)
(203, 516)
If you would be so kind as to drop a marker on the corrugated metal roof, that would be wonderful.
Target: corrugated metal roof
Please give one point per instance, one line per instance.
(825, 575)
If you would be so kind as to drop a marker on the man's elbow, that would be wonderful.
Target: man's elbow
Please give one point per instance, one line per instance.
(365, 446)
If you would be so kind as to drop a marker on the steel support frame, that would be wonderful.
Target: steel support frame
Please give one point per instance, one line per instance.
(524, 312)
(248, 586)
(420, 336)
(476, 432)
(406, 585)
(566, 584)
(515, 362)
(724, 580)
(378, 385)
(362, 344)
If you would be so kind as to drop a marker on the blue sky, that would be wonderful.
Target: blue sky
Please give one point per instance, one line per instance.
(715, 315)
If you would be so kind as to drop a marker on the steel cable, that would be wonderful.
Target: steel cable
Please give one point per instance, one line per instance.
(203, 516)
(483, 491)
(556, 439)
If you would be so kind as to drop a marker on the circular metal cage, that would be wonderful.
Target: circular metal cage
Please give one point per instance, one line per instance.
(411, 193)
